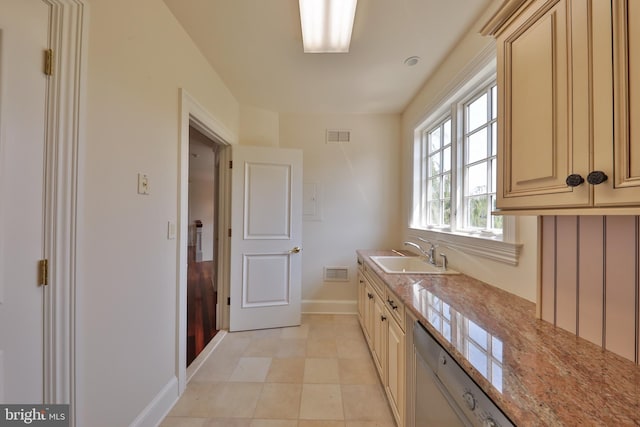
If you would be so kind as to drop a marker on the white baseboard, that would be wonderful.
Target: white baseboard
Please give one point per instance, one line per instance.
(329, 306)
(159, 407)
(204, 354)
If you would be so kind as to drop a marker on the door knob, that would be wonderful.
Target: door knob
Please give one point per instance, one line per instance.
(295, 250)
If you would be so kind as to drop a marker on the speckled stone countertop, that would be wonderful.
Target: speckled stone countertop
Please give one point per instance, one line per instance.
(537, 374)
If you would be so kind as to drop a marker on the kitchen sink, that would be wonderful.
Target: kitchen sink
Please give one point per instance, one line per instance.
(408, 265)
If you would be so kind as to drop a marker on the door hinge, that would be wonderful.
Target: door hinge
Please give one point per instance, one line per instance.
(48, 62)
(230, 164)
(228, 300)
(43, 272)
(229, 232)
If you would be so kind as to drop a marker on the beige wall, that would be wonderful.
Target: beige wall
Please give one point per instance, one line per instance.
(138, 58)
(259, 127)
(359, 197)
(520, 280)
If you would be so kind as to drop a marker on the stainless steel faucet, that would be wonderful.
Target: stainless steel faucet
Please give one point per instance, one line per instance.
(430, 253)
(445, 262)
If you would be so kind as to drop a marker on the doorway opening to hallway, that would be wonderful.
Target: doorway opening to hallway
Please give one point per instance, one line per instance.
(202, 242)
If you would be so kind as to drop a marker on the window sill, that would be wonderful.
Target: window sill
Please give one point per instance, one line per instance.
(476, 245)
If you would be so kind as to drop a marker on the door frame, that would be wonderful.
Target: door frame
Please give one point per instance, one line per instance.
(192, 113)
(64, 142)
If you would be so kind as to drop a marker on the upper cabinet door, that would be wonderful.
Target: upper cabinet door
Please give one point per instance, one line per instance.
(623, 166)
(542, 63)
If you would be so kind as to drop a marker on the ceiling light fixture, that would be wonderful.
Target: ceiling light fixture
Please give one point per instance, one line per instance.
(327, 25)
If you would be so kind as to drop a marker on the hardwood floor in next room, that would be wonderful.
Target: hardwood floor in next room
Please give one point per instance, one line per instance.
(201, 304)
(319, 374)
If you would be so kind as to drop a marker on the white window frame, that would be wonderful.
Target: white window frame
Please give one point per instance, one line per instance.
(502, 248)
(482, 87)
(420, 182)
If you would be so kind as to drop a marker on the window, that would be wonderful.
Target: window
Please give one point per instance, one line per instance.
(455, 166)
(480, 146)
(435, 154)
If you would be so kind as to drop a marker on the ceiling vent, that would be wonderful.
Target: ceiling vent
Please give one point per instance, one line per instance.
(338, 136)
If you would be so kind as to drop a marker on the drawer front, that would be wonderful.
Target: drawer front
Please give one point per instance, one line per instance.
(395, 307)
(375, 281)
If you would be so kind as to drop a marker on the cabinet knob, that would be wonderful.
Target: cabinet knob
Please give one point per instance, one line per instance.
(596, 177)
(574, 180)
(383, 318)
(369, 295)
(490, 422)
(469, 400)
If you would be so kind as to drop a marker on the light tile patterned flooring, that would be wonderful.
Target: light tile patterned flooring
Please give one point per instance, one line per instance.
(319, 374)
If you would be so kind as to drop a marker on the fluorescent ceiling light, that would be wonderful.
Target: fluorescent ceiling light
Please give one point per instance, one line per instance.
(327, 25)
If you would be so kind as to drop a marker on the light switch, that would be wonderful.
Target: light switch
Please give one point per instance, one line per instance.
(143, 183)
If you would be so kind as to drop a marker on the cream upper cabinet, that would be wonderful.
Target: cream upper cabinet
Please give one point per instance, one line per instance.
(623, 165)
(536, 147)
(566, 136)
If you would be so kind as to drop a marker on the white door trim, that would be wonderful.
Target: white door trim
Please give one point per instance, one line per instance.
(193, 113)
(64, 130)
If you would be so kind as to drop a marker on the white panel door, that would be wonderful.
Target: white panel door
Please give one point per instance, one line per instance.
(266, 240)
(23, 39)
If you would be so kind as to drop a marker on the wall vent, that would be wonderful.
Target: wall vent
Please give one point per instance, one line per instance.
(338, 136)
(336, 274)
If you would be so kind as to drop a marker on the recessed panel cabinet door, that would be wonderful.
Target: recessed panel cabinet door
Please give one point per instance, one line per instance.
(378, 336)
(623, 167)
(396, 374)
(537, 145)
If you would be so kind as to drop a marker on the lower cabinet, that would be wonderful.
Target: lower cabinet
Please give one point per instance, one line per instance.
(396, 370)
(385, 335)
(379, 336)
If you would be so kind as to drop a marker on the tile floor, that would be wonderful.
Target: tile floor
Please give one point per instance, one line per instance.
(319, 374)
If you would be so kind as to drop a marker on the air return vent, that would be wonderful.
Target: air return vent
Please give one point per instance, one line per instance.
(338, 136)
(336, 274)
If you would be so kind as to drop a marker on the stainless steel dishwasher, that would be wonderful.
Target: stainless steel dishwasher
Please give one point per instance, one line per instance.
(445, 394)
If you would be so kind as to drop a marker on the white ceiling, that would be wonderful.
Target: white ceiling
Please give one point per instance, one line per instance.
(256, 48)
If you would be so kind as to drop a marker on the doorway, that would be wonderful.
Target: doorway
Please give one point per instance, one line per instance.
(202, 242)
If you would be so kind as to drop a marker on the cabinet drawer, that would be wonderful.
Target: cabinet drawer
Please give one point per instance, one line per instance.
(395, 307)
(374, 281)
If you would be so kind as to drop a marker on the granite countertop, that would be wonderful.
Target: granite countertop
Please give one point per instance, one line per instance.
(536, 373)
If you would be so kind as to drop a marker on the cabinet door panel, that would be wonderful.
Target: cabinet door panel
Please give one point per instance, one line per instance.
(623, 187)
(536, 145)
(362, 297)
(396, 375)
(368, 317)
(533, 137)
(379, 336)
